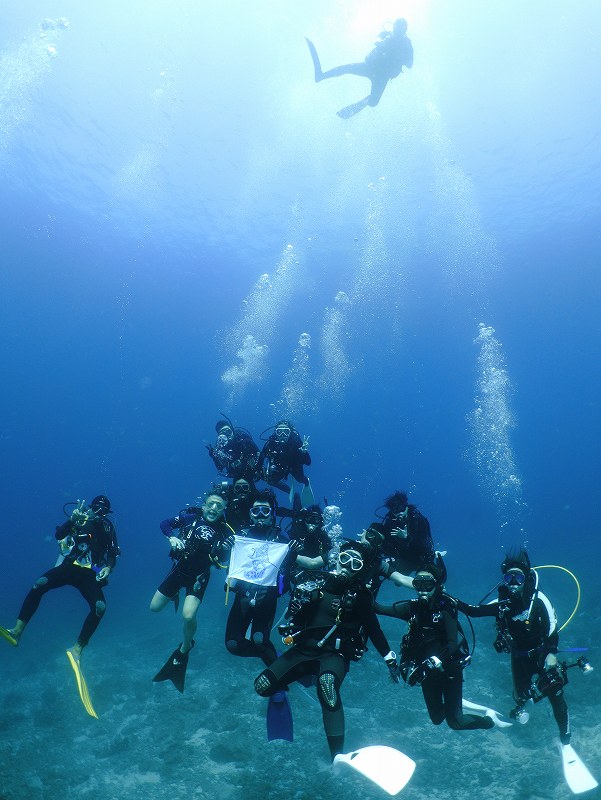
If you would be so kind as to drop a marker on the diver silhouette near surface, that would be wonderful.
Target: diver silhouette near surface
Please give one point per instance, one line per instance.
(392, 52)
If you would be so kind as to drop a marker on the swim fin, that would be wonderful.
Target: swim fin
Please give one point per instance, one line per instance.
(6, 634)
(577, 776)
(315, 59)
(484, 711)
(279, 718)
(174, 669)
(354, 108)
(387, 767)
(81, 684)
(307, 496)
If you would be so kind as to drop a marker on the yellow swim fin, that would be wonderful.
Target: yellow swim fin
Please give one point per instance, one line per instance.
(6, 634)
(81, 685)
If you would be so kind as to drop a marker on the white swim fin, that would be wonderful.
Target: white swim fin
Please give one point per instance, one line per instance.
(577, 776)
(390, 769)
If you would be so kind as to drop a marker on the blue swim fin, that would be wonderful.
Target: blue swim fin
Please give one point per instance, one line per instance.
(279, 718)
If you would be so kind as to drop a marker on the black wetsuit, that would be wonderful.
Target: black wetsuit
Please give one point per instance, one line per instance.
(238, 508)
(385, 62)
(528, 631)
(435, 631)
(254, 607)
(407, 539)
(280, 459)
(311, 544)
(329, 631)
(203, 548)
(94, 546)
(238, 457)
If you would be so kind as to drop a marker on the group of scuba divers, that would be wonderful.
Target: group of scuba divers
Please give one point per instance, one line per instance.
(332, 585)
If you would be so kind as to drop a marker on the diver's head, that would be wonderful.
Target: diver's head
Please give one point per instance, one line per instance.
(225, 432)
(283, 431)
(396, 503)
(312, 518)
(517, 572)
(213, 507)
(373, 536)
(400, 26)
(242, 488)
(101, 505)
(350, 562)
(429, 580)
(353, 560)
(262, 511)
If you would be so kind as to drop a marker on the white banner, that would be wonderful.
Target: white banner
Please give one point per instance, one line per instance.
(256, 561)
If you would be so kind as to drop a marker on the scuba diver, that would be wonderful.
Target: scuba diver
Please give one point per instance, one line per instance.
(285, 453)
(198, 541)
(527, 630)
(255, 576)
(255, 600)
(311, 543)
(329, 620)
(234, 453)
(240, 496)
(406, 532)
(393, 51)
(88, 554)
(434, 651)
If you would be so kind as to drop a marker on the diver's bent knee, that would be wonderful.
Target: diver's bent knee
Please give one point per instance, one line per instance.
(100, 608)
(327, 690)
(258, 639)
(41, 582)
(231, 646)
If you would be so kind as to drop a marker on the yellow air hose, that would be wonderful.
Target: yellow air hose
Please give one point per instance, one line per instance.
(575, 579)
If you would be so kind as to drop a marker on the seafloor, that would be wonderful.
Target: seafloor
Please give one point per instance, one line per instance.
(151, 743)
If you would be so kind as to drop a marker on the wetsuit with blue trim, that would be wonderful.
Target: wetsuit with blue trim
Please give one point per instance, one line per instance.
(203, 548)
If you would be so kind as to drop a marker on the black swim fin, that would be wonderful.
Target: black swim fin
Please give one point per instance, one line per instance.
(315, 59)
(279, 718)
(354, 108)
(174, 669)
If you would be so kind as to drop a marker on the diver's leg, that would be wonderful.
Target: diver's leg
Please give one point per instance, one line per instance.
(189, 612)
(359, 69)
(159, 601)
(92, 593)
(332, 671)
(53, 579)
(432, 692)
(452, 688)
(235, 630)
(262, 623)
(522, 671)
(377, 90)
(562, 716)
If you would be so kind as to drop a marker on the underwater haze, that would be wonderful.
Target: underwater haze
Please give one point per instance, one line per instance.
(188, 229)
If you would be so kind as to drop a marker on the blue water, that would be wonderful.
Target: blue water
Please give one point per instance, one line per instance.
(181, 205)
